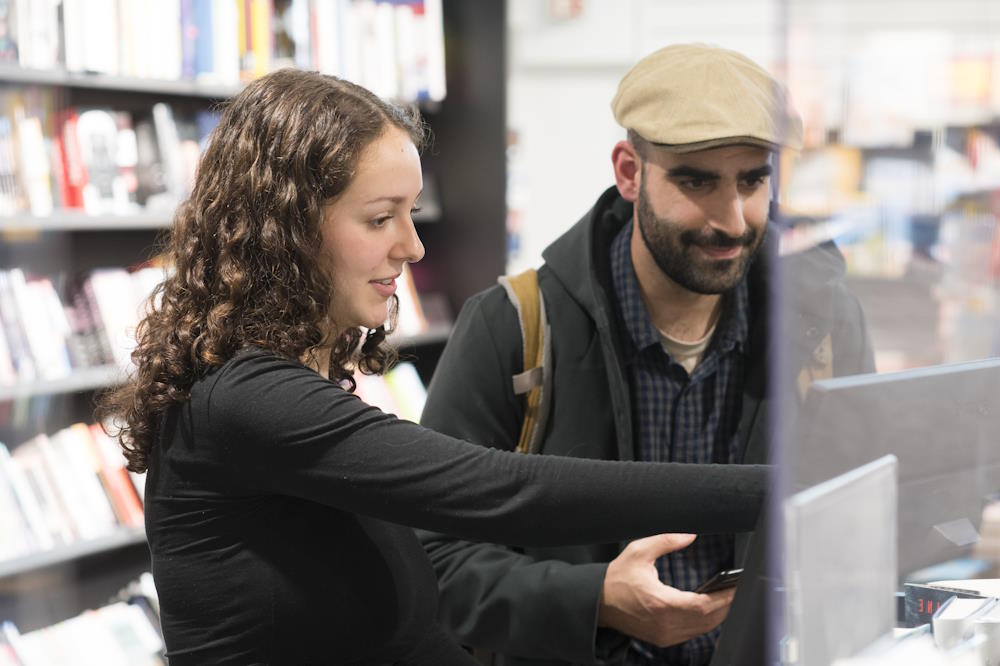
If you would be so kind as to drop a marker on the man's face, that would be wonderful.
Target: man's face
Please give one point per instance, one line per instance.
(703, 215)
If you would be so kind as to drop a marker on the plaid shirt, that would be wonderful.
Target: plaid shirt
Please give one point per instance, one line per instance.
(680, 418)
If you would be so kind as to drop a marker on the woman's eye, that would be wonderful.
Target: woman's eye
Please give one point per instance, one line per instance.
(381, 221)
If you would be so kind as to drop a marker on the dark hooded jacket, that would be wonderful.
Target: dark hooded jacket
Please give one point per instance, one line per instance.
(539, 605)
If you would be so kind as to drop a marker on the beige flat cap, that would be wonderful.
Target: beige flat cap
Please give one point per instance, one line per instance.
(689, 97)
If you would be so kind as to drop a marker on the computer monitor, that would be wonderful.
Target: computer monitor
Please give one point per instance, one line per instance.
(840, 564)
(943, 424)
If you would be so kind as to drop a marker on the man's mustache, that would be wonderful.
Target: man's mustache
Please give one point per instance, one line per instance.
(716, 238)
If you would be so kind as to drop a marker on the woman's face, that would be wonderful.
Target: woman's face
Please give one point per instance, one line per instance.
(368, 232)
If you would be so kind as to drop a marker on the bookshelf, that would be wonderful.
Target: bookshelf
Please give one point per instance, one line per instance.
(463, 228)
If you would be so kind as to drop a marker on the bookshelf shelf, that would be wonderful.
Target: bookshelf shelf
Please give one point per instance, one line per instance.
(74, 551)
(86, 379)
(79, 221)
(13, 74)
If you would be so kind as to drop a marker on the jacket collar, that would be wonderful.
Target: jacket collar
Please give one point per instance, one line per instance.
(808, 278)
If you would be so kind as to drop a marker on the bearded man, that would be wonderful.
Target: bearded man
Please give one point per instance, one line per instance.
(657, 301)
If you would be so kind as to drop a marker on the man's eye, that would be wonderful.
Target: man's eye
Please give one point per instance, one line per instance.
(754, 182)
(694, 183)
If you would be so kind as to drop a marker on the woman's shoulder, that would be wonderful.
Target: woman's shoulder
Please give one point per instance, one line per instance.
(255, 366)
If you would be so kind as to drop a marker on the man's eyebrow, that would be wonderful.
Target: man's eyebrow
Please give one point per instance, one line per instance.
(759, 172)
(692, 172)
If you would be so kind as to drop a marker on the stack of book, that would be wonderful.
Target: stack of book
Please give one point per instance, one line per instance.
(126, 632)
(95, 160)
(393, 47)
(48, 332)
(66, 487)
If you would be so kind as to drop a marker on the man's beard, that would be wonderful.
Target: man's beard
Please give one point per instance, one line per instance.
(675, 251)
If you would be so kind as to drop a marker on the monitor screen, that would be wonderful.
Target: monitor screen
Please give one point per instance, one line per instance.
(943, 424)
(840, 564)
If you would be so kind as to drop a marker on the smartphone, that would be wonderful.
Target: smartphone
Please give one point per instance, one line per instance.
(720, 581)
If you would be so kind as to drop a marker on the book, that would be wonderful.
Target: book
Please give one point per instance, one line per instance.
(39, 320)
(225, 46)
(112, 453)
(20, 353)
(203, 56)
(27, 500)
(28, 458)
(15, 535)
(117, 484)
(116, 309)
(97, 136)
(73, 443)
(71, 491)
(33, 162)
(73, 178)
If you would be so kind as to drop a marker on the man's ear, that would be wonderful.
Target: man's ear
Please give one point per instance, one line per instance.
(628, 170)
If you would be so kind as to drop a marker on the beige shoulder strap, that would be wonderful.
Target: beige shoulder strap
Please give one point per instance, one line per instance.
(533, 381)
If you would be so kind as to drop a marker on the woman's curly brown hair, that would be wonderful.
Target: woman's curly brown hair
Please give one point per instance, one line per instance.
(245, 248)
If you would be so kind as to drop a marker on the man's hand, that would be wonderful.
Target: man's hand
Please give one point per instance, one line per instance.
(636, 603)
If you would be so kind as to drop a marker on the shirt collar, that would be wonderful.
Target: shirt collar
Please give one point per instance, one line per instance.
(731, 332)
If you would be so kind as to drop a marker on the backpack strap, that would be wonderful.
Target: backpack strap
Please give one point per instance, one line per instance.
(533, 381)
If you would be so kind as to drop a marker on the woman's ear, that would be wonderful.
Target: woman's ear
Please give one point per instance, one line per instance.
(628, 170)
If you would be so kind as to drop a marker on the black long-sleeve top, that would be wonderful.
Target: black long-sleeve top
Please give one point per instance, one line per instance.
(276, 503)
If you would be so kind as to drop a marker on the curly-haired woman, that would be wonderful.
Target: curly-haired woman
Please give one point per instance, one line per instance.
(278, 504)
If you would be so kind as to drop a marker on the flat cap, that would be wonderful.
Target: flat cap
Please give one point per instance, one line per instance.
(689, 97)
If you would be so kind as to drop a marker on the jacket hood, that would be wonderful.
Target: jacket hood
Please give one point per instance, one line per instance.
(810, 277)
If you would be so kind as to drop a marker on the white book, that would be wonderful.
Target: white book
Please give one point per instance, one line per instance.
(26, 499)
(8, 375)
(141, 29)
(74, 35)
(297, 21)
(410, 58)
(169, 142)
(33, 163)
(328, 45)
(76, 453)
(28, 459)
(38, 34)
(225, 42)
(10, 319)
(31, 298)
(164, 47)
(68, 488)
(434, 26)
(100, 35)
(384, 60)
(16, 538)
(117, 310)
(137, 638)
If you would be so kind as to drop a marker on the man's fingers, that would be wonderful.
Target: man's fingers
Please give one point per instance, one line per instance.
(721, 598)
(650, 548)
